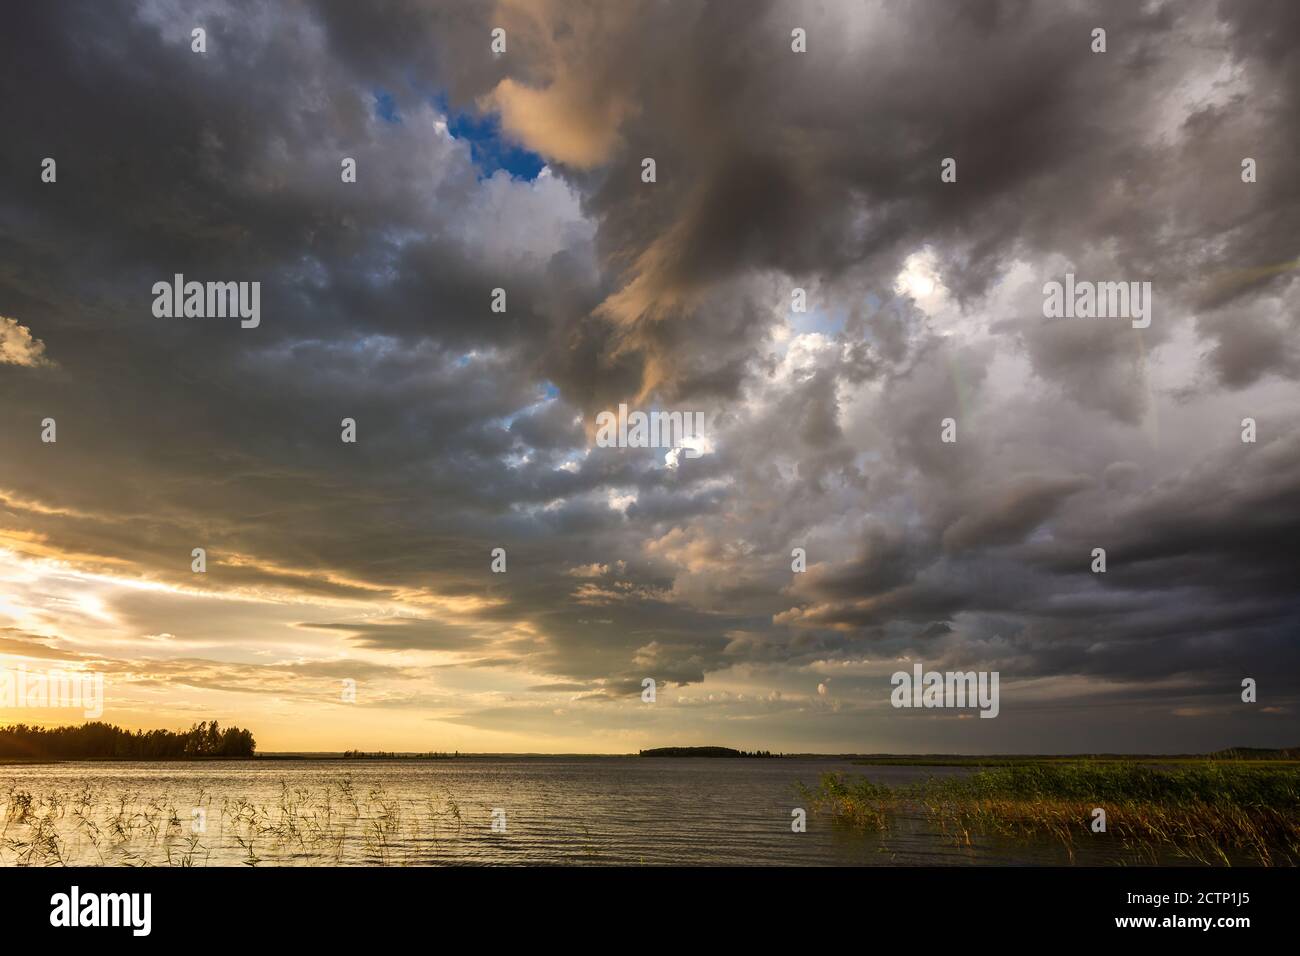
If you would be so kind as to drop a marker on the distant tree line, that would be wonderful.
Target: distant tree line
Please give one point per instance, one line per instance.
(98, 740)
(391, 755)
(704, 752)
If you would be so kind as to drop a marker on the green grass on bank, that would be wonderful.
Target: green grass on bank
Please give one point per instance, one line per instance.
(1212, 813)
(1253, 755)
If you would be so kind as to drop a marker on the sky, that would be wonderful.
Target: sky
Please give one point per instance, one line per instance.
(775, 170)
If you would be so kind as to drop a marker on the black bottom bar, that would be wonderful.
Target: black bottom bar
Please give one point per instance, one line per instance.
(241, 908)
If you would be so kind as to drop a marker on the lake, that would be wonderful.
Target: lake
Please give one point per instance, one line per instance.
(547, 810)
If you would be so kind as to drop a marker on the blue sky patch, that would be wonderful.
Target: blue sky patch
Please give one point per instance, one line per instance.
(489, 148)
(492, 151)
(386, 107)
(828, 323)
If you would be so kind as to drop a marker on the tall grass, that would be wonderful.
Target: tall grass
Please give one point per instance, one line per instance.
(336, 824)
(1212, 814)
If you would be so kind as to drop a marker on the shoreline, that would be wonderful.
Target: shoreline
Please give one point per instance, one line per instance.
(862, 760)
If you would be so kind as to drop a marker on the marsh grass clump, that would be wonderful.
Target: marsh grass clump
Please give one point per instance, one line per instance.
(336, 824)
(858, 803)
(1217, 813)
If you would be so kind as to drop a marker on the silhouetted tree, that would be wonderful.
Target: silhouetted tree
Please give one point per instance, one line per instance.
(98, 740)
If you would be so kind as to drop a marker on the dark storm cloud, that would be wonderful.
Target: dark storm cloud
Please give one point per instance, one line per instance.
(763, 167)
(1199, 581)
(1024, 505)
(405, 634)
(775, 170)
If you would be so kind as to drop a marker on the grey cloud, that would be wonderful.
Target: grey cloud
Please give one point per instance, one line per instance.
(775, 170)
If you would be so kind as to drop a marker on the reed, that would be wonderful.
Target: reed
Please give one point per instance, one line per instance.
(1216, 813)
(334, 824)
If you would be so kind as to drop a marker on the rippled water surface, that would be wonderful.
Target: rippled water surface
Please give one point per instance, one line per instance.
(565, 810)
